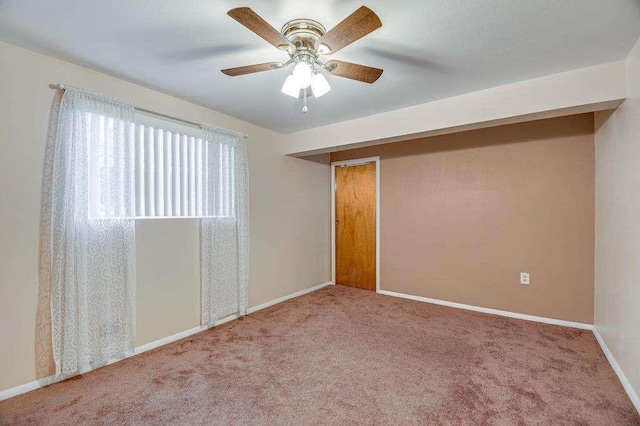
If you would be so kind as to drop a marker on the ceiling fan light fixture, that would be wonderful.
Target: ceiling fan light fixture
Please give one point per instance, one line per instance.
(302, 74)
(291, 87)
(319, 85)
(305, 40)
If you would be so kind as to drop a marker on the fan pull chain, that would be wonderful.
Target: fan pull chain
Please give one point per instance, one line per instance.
(304, 108)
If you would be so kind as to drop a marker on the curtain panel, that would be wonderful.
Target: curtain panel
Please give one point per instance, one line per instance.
(224, 232)
(87, 231)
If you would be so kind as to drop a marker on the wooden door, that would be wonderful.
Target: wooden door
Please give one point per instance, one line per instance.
(355, 227)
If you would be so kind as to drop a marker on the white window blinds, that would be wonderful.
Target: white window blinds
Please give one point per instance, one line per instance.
(170, 171)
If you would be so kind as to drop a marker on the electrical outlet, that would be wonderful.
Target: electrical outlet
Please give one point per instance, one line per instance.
(524, 278)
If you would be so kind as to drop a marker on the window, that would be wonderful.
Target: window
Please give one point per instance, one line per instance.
(172, 172)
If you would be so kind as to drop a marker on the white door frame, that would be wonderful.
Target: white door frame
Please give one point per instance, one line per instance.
(355, 162)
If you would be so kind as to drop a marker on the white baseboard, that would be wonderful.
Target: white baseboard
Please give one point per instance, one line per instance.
(18, 390)
(27, 387)
(616, 367)
(287, 297)
(516, 315)
(635, 399)
(181, 335)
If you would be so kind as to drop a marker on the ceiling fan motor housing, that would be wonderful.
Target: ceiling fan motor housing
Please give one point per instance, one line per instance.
(303, 33)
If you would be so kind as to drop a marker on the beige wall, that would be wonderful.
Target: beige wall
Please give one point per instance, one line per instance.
(617, 300)
(463, 214)
(168, 277)
(289, 213)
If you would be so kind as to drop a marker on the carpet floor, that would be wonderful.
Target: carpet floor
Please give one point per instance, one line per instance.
(347, 356)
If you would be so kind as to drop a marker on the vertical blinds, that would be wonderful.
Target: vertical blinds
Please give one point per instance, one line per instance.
(171, 171)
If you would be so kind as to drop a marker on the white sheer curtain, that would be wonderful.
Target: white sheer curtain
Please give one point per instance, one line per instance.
(87, 249)
(224, 228)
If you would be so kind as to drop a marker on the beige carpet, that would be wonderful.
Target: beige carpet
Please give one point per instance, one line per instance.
(348, 356)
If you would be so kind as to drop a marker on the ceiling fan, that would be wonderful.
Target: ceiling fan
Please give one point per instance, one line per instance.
(305, 40)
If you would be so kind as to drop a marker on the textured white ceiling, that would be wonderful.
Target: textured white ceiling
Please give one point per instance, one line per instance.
(429, 49)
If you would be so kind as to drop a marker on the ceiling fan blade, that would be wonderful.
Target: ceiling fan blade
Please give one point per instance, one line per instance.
(255, 23)
(249, 69)
(353, 71)
(357, 25)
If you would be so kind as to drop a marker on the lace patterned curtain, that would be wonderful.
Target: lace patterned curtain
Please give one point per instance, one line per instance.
(224, 238)
(87, 231)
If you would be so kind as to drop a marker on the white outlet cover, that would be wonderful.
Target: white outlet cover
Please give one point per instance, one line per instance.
(524, 278)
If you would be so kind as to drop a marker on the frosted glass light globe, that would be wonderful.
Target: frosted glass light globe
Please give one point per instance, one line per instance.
(319, 85)
(302, 74)
(291, 87)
